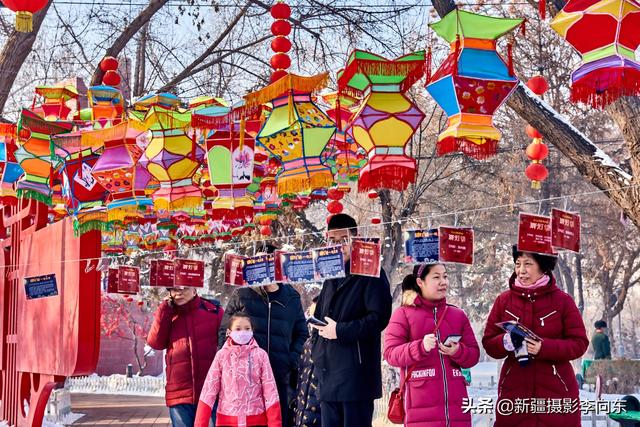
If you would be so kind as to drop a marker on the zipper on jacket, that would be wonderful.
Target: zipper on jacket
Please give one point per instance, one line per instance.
(548, 315)
(503, 380)
(444, 372)
(555, 372)
(359, 354)
(513, 315)
(269, 330)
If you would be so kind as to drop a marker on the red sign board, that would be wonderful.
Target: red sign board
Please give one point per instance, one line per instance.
(534, 234)
(161, 273)
(233, 268)
(189, 272)
(456, 245)
(565, 230)
(128, 280)
(365, 257)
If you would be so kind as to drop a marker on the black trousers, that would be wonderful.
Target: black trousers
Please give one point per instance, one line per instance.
(283, 394)
(346, 414)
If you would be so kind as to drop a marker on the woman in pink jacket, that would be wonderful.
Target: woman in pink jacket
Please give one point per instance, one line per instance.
(435, 389)
(242, 381)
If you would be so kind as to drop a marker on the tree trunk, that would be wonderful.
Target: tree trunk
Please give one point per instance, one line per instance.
(578, 260)
(127, 34)
(16, 50)
(141, 63)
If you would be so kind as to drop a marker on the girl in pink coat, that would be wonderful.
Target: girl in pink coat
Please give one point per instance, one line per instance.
(242, 381)
(435, 389)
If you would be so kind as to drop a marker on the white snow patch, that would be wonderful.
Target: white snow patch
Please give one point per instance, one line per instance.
(118, 384)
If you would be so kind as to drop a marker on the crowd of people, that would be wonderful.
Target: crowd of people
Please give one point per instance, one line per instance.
(261, 362)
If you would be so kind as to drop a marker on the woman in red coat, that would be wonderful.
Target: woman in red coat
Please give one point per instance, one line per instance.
(536, 372)
(436, 388)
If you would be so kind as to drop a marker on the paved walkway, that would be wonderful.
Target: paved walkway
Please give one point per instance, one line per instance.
(119, 410)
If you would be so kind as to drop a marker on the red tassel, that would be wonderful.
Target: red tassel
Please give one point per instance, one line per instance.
(338, 113)
(428, 65)
(510, 56)
(476, 151)
(542, 9)
(194, 146)
(523, 28)
(80, 159)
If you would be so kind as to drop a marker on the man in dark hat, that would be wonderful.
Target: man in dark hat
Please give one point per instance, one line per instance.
(600, 341)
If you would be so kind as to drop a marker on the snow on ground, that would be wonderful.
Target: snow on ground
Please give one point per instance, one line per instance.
(117, 384)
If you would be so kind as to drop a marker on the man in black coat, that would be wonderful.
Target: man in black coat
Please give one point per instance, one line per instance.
(347, 351)
(279, 327)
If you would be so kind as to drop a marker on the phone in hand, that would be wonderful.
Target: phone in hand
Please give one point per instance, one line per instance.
(452, 339)
(315, 321)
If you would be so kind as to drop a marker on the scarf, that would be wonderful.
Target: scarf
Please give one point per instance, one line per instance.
(540, 283)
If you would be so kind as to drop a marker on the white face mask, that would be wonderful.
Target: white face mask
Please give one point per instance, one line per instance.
(241, 337)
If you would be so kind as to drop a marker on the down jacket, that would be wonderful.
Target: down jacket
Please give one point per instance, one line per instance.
(242, 381)
(434, 394)
(306, 403)
(279, 326)
(553, 316)
(189, 333)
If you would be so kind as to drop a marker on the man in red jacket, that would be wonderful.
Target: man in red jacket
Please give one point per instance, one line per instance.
(187, 327)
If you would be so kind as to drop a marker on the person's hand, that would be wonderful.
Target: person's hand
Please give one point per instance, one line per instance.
(533, 346)
(449, 350)
(329, 332)
(429, 342)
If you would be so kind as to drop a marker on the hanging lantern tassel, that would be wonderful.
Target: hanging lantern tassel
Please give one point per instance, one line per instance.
(243, 124)
(523, 28)
(510, 56)
(24, 21)
(80, 160)
(542, 9)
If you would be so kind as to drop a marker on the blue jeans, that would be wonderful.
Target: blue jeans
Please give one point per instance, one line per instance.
(185, 415)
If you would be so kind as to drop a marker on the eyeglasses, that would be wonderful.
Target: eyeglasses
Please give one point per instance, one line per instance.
(177, 290)
(338, 240)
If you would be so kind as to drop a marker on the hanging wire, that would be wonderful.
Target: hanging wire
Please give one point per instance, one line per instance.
(236, 245)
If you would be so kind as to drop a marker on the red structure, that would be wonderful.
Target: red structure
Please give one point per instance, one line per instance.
(46, 339)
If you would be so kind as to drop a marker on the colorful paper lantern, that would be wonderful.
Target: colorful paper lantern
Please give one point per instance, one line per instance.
(106, 106)
(36, 155)
(117, 169)
(10, 170)
(386, 119)
(606, 34)
(296, 132)
(172, 158)
(24, 12)
(472, 82)
(58, 103)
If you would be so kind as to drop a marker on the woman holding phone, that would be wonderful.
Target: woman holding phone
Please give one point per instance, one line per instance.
(431, 341)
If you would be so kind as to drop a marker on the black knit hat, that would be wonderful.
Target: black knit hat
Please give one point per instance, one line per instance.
(547, 263)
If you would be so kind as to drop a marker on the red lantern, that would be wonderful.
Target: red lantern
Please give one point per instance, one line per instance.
(335, 194)
(536, 172)
(265, 230)
(277, 75)
(280, 44)
(280, 11)
(24, 10)
(281, 28)
(538, 85)
(334, 207)
(372, 194)
(140, 303)
(537, 151)
(265, 221)
(109, 63)
(533, 132)
(375, 220)
(111, 78)
(280, 61)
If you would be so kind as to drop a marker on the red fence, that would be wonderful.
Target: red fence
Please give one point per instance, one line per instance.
(46, 339)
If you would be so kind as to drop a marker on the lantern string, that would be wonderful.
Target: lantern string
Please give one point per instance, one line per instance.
(287, 238)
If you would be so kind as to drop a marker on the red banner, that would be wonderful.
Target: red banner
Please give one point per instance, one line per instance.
(565, 230)
(456, 245)
(161, 273)
(365, 257)
(128, 280)
(534, 234)
(189, 272)
(233, 268)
